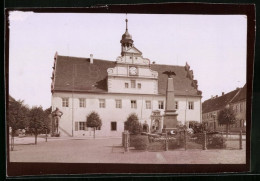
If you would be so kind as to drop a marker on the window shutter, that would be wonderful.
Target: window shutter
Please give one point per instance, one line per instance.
(76, 126)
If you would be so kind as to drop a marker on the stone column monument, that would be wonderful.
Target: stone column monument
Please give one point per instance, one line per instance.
(170, 115)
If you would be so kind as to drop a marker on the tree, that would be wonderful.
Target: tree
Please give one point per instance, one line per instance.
(47, 119)
(227, 116)
(94, 121)
(132, 124)
(17, 117)
(36, 121)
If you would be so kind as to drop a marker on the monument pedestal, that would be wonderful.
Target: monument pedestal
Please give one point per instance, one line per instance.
(170, 119)
(170, 116)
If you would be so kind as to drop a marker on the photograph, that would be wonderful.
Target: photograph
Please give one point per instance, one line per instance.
(127, 88)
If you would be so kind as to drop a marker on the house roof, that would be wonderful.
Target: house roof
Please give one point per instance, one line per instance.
(93, 77)
(11, 99)
(241, 95)
(220, 102)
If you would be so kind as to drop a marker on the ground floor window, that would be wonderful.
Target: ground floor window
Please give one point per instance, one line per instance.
(82, 125)
(113, 126)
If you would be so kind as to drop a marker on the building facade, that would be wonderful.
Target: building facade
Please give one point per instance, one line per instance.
(211, 108)
(115, 89)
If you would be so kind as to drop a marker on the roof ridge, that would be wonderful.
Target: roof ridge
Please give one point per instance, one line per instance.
(167, 65)
(86, 58)
(235, 95)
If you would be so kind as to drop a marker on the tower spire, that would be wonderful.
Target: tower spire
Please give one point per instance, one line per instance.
(126, 20)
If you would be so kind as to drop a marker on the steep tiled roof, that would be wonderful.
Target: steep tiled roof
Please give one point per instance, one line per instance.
(241, 95)
(218, 103)
(93, 77)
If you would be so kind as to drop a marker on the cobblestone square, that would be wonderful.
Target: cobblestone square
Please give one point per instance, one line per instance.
(109, 150)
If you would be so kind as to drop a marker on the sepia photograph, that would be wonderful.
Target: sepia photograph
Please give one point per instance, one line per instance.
(127, 88)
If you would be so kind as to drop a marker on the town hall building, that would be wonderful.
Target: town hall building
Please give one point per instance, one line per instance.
(115, 89)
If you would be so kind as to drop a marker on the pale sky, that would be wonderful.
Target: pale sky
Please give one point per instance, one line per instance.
(213, 45)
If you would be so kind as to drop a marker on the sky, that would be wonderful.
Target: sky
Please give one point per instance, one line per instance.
(213, 45)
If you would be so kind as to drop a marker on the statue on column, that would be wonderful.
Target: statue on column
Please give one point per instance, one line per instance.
(56, 114)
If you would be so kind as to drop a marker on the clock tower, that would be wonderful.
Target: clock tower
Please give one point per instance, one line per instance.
(132, 73)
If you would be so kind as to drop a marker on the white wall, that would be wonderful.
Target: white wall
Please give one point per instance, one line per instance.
(111, 113)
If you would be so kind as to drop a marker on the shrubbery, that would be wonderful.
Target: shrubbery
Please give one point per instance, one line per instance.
(140, 142)
(197, 127)
(133, 125)
(217, 141)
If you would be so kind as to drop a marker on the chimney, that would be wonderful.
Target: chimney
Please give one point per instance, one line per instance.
(91, 58)
(223, 93)
(212, 97)
(216, 96)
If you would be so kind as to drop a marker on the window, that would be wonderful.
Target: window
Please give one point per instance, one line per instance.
(191, 105)
(118, 103)
(241, 107)
(126, 85)
(160, 104)
(132, 83)
(102, 103)
(139, 85)
(176, 105)
(148, 104)
(133, 104)
(82, 125)
(113, 126)
(236, 109)
(65, 102)
(82, 102)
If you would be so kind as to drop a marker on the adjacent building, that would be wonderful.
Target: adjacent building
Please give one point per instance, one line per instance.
(115, 89)
(236, 99)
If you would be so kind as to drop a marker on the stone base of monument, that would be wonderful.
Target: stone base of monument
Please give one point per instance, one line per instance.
(170, 120)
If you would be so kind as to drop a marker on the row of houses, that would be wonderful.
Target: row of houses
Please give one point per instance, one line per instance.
(236, 99)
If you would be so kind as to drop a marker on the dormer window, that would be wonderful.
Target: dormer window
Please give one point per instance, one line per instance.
(132, 83)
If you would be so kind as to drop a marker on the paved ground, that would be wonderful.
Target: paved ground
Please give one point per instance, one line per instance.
(109, 151)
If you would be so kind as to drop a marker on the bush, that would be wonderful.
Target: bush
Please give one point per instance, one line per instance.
(140, 142)
(133, 125)
(217, 141)
(197, 127)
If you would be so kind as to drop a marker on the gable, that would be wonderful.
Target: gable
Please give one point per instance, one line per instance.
(133, 50)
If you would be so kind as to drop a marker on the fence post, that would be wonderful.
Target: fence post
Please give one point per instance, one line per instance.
(126, 141)
(166, 141)
(46, 135)
(123, 139)
(204, 147)
(178, 138)
(240, 140)
(185, 141)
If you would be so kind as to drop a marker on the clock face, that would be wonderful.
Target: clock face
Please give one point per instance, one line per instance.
(133, 71)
